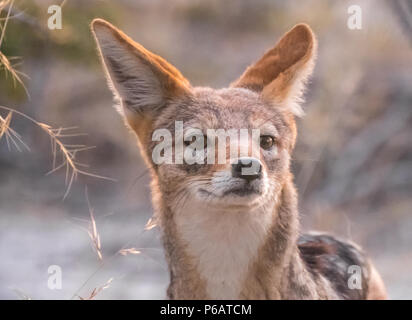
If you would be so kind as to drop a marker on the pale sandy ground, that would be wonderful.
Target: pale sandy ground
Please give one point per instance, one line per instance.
(30, 244)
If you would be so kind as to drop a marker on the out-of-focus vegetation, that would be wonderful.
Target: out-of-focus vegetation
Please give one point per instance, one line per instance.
(353, 162)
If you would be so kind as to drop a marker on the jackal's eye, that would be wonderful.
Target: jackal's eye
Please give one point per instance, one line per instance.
(267, 142)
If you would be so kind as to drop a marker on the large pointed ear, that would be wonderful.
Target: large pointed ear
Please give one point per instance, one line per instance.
(141, 80)
(281, 73)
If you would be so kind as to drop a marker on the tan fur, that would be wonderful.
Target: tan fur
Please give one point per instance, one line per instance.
(220, 244)
(377, 290)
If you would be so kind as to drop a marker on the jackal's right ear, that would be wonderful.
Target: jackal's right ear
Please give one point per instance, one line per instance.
(281, 73)
(143, 81)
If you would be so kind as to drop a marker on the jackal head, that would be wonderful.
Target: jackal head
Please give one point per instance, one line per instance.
(154, 96)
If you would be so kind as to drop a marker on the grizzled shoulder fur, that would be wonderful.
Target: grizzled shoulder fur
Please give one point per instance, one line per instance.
(326, 256)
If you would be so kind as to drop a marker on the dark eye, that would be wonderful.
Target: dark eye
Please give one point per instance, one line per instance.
(266, 142)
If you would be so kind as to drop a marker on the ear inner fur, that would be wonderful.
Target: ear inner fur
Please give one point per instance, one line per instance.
(121, 55)
(289, 62)
(140, 79)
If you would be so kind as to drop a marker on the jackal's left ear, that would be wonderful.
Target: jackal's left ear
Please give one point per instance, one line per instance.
(281, 73)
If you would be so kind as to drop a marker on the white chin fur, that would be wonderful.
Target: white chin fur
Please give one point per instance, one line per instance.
(223, 242)
(218, 192)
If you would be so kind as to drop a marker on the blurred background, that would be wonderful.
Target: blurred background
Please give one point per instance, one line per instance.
(352, 164)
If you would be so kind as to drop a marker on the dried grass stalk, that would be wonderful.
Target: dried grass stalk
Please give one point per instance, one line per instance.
(92, 231)
(125, 252)
(67, 152)
(96, 291)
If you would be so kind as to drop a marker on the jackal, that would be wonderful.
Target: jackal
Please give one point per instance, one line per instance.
(228, 234)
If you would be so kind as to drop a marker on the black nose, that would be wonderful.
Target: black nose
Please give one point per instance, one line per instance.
(247, 168)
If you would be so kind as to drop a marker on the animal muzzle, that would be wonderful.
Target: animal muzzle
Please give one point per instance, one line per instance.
(247, 168)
